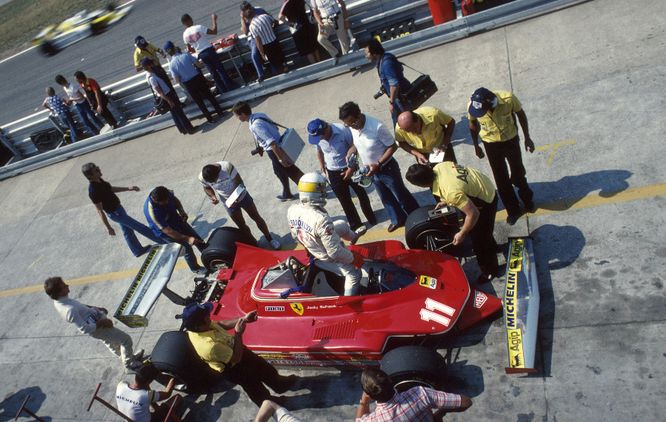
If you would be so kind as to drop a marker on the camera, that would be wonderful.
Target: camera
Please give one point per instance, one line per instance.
(257, 150)
(360, 175)
(379, 93)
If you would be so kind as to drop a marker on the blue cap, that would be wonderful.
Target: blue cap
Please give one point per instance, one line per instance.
(316, 128)
(146, 61)
(481, 102)
(194, 313)
(169, 46)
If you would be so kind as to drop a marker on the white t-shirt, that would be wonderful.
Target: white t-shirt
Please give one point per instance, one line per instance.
(134, 403)
(224, 186)
(74, 93)
(326, 7)
(197, 37)
(372, 141)
(156, 81)
(83, 316)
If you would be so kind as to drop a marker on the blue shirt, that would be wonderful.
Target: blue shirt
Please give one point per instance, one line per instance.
(57, 105)
(265, 133)
(182, 67)
(335, 149)
(159, 217)
(390, 74)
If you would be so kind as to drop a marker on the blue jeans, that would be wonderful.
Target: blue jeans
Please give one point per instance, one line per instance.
(129, 225)
(67, 120)
(214, 64)
(187, 230)
(398, 201)
(88, 117)
(257, 61)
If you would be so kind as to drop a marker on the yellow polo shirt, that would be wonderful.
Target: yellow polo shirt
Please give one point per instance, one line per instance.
(150, 52)
(455, 184)
(499, 125)
(215, 346)
(430, 137)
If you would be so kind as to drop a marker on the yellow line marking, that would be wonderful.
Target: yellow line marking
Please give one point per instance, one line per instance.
(553, 148)
(633, 194)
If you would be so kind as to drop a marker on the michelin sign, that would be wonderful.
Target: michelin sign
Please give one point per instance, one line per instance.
(521, 306)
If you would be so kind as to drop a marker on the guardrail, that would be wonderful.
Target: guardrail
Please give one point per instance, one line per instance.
(132, 98)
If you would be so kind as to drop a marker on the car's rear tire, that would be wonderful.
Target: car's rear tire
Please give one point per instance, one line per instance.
(48, 49)
(173, 354)
(410, 366)
(423, 232)
(221, 249)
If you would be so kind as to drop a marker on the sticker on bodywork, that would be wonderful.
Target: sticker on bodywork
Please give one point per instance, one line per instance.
(429, 282)
(297, 308)
(274, 308)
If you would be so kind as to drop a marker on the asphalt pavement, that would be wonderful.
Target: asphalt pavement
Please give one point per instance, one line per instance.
(108, 57)
(590, 79)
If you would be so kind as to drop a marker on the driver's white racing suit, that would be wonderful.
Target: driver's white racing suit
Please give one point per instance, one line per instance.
(314, 229)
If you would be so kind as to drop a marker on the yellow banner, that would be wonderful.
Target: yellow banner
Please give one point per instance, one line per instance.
(515, 342)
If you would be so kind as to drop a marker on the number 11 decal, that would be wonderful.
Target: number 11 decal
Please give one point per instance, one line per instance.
(430, 312)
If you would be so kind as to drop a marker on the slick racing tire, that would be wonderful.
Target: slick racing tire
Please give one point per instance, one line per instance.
(174, 355)
(48, 49)
(410, 366)
(433, 234)
(221, 249)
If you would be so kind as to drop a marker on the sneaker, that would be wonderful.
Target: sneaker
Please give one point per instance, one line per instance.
(360, 230)
(530, 207)
(275, 244)
(512, 218)
(393, 227)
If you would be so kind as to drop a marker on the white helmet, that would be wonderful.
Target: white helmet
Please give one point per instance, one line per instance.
(312, 189)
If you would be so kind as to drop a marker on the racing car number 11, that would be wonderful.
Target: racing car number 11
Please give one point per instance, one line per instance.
(431, 312)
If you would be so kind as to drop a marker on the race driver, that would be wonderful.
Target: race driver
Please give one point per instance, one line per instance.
(312, 227)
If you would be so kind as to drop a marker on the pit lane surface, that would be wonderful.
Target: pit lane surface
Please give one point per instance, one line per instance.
(592, 95)
(108, 57)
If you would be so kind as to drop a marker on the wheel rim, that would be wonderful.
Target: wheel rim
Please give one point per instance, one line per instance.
(433, 240)
(405, 385)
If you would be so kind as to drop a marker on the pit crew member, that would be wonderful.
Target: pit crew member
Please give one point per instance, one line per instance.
(414, 405)
(221, 181)
(168, 221)
(312, 227)
(424, 131)
(226, 354)
(491, 117)
(473, 193)
(135, 399)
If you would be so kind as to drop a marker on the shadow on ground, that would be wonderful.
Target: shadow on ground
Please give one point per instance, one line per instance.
(12, 402)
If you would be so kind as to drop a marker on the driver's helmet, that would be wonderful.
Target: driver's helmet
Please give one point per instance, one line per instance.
(312, 189)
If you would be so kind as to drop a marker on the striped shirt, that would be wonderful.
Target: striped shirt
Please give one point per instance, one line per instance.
(413, 405)
(262, 26)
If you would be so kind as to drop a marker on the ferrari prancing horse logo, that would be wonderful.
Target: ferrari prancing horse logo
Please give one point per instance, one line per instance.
(297, 307)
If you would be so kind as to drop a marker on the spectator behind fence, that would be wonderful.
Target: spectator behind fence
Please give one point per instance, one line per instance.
(261, 28)
(185, 71)
(60, 110)
(332, 18)
(197, 38)
(162, 90)
(96, 97)
(303, 32)
(76, 96)
(257, 60)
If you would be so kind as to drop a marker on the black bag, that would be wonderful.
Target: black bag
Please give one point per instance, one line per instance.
(422, 89)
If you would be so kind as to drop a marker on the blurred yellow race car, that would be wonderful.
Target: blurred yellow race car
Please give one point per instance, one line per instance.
(54, 38)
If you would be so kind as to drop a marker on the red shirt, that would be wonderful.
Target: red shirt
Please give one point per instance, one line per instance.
(413, 405)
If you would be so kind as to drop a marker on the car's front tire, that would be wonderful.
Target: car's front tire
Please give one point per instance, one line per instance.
(221, 249)
(410, 366)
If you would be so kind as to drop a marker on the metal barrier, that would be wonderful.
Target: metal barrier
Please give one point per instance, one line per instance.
(132, 98)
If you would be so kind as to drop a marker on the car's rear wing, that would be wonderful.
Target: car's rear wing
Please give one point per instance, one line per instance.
(149, 282)
(521, 306)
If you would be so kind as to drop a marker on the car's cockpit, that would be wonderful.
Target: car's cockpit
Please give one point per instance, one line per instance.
(291, 276)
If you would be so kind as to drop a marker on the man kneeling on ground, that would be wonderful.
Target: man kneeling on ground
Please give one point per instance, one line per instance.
(226, 354)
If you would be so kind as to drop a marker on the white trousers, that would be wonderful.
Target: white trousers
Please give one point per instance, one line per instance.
(328, 29)
(119, 342)
(351, 274)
